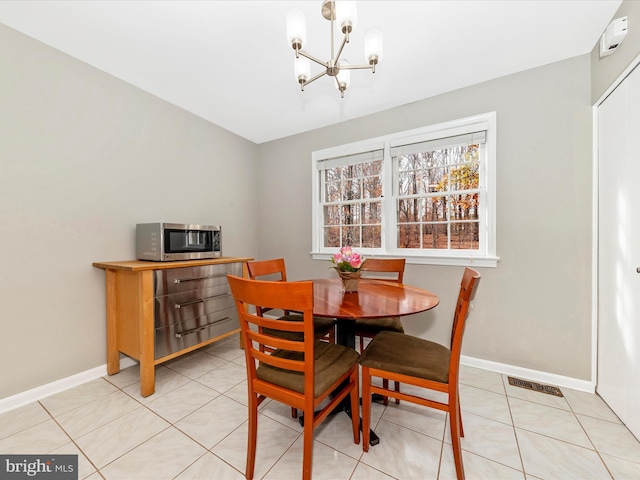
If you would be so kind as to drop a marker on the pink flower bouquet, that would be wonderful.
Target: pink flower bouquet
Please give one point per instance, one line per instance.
(346, 260)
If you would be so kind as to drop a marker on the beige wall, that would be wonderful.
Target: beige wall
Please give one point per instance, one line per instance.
(83, 158)
(533, 310)
(606, 70)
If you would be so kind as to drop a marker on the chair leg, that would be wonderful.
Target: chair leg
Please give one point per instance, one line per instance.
(355, 408)
(366, 408)
(361, 343)
(307, 455)
(294, 412)
(455, 426)
(397, 389)
(252, 436)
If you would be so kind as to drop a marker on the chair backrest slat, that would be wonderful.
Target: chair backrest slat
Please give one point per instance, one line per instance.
(262, 268)
(284, 363)
(276, 324)
(275, 342)
(384, 265)
(273, 269)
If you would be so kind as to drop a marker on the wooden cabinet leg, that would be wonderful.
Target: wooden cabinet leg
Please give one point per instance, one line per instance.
(113, 356)
(147, 334)
(147, 378)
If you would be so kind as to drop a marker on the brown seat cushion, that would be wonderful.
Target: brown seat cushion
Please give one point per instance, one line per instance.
(375, 325)
(408, 355)
(331, 361)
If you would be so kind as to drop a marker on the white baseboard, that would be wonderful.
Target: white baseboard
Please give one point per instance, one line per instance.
(528, 374)
(58, 386)
(38, 393)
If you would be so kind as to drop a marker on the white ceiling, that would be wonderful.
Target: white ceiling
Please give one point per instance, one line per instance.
(229, 61)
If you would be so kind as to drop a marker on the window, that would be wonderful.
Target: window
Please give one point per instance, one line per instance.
(352, 200)
(427, 195)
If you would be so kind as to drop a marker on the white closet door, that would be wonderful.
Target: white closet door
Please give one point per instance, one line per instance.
(619, 251)
(613, 212)
(632, 327)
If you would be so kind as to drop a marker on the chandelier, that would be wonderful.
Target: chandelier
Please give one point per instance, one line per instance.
(344, 14)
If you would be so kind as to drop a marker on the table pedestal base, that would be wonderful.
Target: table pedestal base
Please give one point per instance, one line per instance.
(373, 438)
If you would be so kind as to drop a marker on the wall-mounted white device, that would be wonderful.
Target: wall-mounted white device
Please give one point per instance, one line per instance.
(613, 36)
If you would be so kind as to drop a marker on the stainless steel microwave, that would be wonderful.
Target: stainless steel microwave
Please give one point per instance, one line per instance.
(165, 242)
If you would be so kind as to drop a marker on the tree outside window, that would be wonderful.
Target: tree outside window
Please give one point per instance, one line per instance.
(438, 199)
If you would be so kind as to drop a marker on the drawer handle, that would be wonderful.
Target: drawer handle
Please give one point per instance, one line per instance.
(193, 279)
(197, 329)
(200, 300)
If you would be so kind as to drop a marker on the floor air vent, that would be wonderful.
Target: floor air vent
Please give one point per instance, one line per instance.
(537, 387)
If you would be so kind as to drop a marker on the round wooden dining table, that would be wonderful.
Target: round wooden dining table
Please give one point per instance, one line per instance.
(374, 299)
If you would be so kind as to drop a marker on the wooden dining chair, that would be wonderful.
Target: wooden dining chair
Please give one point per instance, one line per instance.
(415, 361)
(275, 270)
(390, 269)
(302, 374)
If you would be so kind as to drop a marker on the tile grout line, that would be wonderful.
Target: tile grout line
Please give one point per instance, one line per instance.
(71, 439)
(591, 441)
(513, 424)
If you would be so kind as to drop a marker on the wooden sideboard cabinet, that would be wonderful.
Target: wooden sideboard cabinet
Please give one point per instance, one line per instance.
(157, 311)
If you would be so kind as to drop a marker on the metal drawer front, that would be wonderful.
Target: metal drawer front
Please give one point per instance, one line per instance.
(180, 307)
(172, 339)
(193, 305)
(194, 278)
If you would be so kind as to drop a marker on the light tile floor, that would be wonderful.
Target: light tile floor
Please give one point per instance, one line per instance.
(194, 427)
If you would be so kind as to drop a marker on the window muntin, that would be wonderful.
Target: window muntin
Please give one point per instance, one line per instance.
(427, 195)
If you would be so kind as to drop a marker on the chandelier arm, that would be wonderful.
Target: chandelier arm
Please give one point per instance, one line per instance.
(314, 59)
(314, 78)
(344, 42)
(331, 20)
(356, 67)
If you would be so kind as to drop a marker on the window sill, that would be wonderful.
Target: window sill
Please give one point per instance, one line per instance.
(457, 261)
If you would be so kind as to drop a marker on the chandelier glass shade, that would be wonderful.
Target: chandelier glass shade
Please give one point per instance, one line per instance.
(344, 14)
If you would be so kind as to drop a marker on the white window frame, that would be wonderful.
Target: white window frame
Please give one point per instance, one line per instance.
(485, 257)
